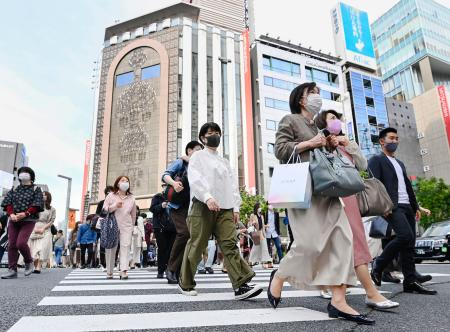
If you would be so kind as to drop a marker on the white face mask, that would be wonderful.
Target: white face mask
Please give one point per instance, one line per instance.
(124, 186)
(313, 103)
(24, 177)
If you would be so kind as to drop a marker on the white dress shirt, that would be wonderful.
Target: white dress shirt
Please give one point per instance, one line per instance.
(403, 197)
(211, 176)
(271, 231)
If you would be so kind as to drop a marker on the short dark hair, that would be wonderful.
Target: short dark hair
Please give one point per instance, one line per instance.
(207, 126)
(256, 207)
(386, 131)
(321, 118)
(26, 169)
(108, 189)
(116, 184)
(60, 231)
(192, 145)
(297, 94)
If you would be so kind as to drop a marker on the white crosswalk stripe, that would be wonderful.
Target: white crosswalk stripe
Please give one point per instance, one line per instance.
(83, 288)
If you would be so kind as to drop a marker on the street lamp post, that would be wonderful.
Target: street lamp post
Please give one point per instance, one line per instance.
(69, 188)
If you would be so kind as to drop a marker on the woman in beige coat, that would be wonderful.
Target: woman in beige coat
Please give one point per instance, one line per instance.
(123, 204)
(322, 252)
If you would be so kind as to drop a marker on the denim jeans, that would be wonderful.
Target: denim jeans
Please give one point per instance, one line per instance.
(211, 251)
(277, 242)
(58, 254)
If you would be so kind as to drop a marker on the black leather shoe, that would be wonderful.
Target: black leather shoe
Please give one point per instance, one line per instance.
(160, 275)
(376, 276)
(171, 278)
(333, 312)
(422, 277)
(416, 287)
(388, 277)
(274, 301)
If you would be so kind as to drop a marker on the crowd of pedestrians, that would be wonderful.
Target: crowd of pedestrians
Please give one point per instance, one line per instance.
(196, 221)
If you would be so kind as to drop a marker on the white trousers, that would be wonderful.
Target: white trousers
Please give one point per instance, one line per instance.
(110, 256)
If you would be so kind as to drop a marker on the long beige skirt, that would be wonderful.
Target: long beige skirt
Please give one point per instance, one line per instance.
(322, 252)
(260, 252)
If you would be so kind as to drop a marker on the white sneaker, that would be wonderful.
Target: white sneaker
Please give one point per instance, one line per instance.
(104, 269)
(187, 291)
(325, 294)
(384, 305)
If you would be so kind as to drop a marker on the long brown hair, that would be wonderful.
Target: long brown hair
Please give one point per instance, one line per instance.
(48, 202)
(116, 184)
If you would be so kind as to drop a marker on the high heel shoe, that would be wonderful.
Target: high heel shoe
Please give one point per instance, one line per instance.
(274, 301)
(333, 312)
(123, 276)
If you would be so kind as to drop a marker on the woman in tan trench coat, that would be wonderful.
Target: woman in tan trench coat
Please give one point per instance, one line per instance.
(322, 252)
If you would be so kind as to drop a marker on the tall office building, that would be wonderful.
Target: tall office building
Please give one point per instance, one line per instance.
(13, 155)
(277, 68)
(163, 75)
(365, 99)
(412, 45)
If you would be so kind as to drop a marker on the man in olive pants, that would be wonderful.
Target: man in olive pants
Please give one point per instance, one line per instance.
(215, 210)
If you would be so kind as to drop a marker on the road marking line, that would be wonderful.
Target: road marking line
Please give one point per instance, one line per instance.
(137, 281)
(183, 319)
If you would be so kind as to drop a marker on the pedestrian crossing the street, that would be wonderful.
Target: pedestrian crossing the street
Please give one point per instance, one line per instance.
(86, 301)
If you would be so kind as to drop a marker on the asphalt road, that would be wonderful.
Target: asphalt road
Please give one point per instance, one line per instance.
(19, 298)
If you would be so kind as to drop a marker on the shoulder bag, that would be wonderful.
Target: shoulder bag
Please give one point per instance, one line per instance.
(379, 228)
(333, 175)
(374, 199)
(109, 232)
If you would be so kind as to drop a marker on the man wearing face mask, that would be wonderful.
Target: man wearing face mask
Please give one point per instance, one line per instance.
(215, 210)
(392, 173)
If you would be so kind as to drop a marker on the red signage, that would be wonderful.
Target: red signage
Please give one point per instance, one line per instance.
(249, 114)
(445, 110)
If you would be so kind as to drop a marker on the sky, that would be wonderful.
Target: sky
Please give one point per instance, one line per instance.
(47, 54)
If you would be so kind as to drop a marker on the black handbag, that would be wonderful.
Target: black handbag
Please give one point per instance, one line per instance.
(53, 230)
(183, 197)
(380, 228)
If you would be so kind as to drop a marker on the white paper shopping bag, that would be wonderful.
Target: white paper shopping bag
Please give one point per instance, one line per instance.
(290, 186)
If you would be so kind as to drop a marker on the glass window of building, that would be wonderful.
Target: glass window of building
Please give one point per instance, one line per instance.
(281, 66)
(278, 104)
(370, 102)
(270, 147)
(271, 125)
(320, 76)
(124, 79)
(151, 72)
(330, 95)
(270, 171)
(367, 84)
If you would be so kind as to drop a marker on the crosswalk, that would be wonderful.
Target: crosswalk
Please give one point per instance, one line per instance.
(86, 301)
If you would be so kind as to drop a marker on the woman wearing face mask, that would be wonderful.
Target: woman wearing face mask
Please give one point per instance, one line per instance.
(260, 251)
(123, 204)
(41, 238)
(22, 204)
(330, 120)
(322, 253)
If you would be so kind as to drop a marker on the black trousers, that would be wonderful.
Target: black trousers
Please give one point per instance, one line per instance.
(403, 222)
(164, 241)
(90, 249)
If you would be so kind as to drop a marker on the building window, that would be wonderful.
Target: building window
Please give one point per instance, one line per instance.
(271, 125)
(330, 95)
(280, 84)
(367, 84)
(370, 102)
(151, 72)
(278, 104)
(270, 147)
(124, 79)
(270, 171)
(281, 66)
(320, 76)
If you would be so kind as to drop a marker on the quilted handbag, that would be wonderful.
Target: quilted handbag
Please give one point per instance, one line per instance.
(333, 175)
(109, 232)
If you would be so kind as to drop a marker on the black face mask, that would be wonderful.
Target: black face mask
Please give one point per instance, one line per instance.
(213, 141)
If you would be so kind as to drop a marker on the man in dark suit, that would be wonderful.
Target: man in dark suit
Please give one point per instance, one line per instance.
(272, 221)
(392, 173)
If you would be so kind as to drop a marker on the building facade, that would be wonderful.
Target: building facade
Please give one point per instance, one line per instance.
(401, 116)
(433, 126)
(412, 46)
(163, 75)
(277, 68)
(13, 155)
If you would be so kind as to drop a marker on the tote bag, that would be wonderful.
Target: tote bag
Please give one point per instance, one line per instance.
(290, 186)
(109, 232)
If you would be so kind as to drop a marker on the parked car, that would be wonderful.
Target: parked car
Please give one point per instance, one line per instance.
(434, 243)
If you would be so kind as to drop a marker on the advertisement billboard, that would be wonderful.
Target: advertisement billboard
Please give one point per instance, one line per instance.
(352, 36)
(445, 110)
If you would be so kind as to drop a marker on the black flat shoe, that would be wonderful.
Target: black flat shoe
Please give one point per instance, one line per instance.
(422, 277)
(415, 287)
(274, 301)
(333, 312)
(388, 277)
(376, 277)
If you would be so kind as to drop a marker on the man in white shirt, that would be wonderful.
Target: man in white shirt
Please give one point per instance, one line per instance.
(273, 231)
(392, 173)
(214, 210)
